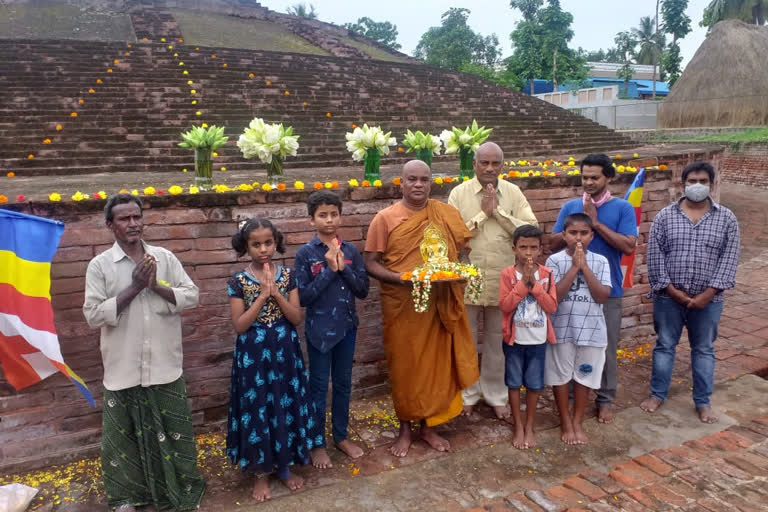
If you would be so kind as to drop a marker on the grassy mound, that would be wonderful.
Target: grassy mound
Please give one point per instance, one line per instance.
(53, 21)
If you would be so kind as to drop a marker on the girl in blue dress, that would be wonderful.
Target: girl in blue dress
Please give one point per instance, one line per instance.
(271, 416)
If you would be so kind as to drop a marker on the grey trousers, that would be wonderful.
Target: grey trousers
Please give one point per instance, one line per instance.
(606, 395)
(491, 387)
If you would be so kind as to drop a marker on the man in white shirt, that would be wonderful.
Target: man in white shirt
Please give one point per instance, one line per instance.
(134, 293)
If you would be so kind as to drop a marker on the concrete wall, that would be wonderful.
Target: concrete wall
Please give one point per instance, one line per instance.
(50, 422)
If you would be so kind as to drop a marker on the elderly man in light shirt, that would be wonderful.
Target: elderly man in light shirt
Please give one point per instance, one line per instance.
(492, 209)
(134, 293)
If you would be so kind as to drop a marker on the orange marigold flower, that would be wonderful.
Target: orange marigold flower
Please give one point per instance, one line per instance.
(116, 61)
(663, 167)
(305, 103)
(269, 82)
(327, 114)
(3, 199)
(335, 184)
(366, 183)
(281, 186)
(30, 156)
(317, 185)
(354, 126)
(224, 65)
(287, 93)
(397, 180)
(109, 70)
(124, 191)
(59, 127)
(11, 174)
(145, 38)
(81, 101)
(91, 90)
(251, 75)
(127, 53)
(98, 81)
(73, 114)
(400, 150)
(46, 141)
(181, 40)
(213, 56)
(448, 179)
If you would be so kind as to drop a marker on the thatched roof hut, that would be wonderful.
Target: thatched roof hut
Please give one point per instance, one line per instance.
(726, 82)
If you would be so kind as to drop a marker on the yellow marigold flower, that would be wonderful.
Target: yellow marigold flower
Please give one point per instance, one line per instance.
(635, 155)
(213, 153)
(223, 169)
(190, 82)
(221, 188)
(266, 187)
(327, 114)
(185, 72)
(175, 190)
(353, 183)
(465, 178)
(377, 183)
(175, 54)
(102, 194)
(109, 70)
(328, 184)
(194, 102)
(256, 184)
(193, 189)
(438, 181)
(205, 125)
(620, 168)
(162, 39)
(192, 91)
(181, 63)
(184, 170)
(78, 196)
(251, 75)
(46, 141)
(149, 191)
(224, 65)
(213, 56)
(73, 114)
(618, 155)
(537, 173)
(305, 103)
(54, 197)
(59, 127)
(244, 187)
(198, 113)
(298, 185)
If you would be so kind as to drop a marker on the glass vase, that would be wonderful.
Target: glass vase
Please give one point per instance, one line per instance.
(203, 169)
(425, 155)
(372, 163)
(275, 170)
(466, 156)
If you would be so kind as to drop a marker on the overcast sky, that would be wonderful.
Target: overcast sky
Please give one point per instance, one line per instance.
(595, 22)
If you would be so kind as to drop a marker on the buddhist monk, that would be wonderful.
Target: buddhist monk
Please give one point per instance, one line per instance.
(431, 355)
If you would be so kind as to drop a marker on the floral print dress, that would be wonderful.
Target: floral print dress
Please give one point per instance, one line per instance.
(271, 422)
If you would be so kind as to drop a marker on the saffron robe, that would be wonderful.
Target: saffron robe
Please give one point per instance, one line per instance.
(431, 355)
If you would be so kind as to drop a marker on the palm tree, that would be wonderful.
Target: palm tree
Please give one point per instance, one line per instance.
(651, 44)
(625, 46)
(303, 11)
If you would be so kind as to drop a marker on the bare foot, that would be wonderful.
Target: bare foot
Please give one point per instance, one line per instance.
(518, 441)
(468, 410)
(403, 441)
(293, 482)
(706, 415)
(320, 458)
(352, 450)
(568, 436)
(530, 438)
(650, 404)
(432, 439)
(579, 435)
(261, 489)
(605, 414)
(501, 411)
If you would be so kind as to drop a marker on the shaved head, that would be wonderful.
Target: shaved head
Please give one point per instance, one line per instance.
(415, 166)
(416, 184)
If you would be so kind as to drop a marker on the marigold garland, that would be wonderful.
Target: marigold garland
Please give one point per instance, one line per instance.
(422, 276)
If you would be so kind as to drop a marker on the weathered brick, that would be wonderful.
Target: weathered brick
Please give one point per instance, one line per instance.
(609, 485)
(745, 465)
(714, 505)
(639, 496)
(664, 494)
(588, 489)
(744, 431)
(520, 503)
(638, 471)
(565, 496)
(654, 464)
(625, 479)
(673, 459)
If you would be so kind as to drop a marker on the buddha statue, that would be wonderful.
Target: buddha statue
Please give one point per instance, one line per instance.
(434, 248)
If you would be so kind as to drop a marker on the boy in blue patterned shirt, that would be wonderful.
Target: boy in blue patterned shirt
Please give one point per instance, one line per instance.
(329, 275)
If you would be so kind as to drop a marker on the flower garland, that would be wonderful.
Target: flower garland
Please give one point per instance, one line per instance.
(422, 276)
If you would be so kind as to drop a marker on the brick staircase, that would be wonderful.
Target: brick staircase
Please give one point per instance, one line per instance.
(132, 118)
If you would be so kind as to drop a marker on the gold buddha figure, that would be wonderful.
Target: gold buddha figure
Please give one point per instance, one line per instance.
(434, 248)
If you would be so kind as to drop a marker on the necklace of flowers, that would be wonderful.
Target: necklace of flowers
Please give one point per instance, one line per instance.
(421, 278)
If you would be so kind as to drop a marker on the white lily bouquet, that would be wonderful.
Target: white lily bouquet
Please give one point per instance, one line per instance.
(369, 143)
(465, 142)
(425, 145)
(270, 142)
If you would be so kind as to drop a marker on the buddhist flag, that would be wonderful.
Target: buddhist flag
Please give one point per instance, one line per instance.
(29, 346)
(635, 197)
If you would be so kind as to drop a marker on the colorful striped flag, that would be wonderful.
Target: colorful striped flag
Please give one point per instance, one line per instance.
(29, 346)
(635, 197)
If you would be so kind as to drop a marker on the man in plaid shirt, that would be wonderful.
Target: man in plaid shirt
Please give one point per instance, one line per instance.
(693, 252)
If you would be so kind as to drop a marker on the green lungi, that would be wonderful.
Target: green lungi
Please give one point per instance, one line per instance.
(148, 448)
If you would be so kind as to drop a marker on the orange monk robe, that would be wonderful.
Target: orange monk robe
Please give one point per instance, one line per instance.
(431, 355)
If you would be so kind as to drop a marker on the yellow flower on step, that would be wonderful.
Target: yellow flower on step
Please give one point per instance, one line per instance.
(98, 81)
(205, 125)
(353, 183)
(251, 75)
(78, 196)
(244, 187)
(438, 181)
(59, 127)
(328, 184)
(184, 170)
(109, 70)
(181, 63)
(185, 72)
(149, 191)
(175, 190)
(46, 141)
(298, 185)
(194, 102)
(465, 178)
(377, 183)
(266, 187)
(635, 155)
(189, 82)
(102, 194)
(162, 39)
(221, 188)
(287, 93)
(193, 189)
(198, 113)
(224, 65)
(620, 168)
(305, 103)
(134, 192)
(192, 91)
(73, 114)
(223, 169)
(30, 156)
(91, 91)
(175, 54)
(54, 197)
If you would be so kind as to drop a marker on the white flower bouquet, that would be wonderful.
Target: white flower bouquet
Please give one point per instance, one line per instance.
(465, 143)
(270, 142)
(365, 138)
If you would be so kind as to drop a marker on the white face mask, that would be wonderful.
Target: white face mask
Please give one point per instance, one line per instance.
(697, 192)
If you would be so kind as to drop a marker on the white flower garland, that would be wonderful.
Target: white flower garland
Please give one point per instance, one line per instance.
(422, 284)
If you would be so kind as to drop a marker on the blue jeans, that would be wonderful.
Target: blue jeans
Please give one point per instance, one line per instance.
(524, 365)
(669, 317)
(336, 364)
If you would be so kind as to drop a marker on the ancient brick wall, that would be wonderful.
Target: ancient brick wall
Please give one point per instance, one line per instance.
(50, 422)
(746, 164)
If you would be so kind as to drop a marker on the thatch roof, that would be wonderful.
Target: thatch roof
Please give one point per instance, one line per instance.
(726, 82)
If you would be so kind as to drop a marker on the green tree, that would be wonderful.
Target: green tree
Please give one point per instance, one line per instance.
(651, 44)
(677, 24)
(383, 32)
(610, 55)
(454, 44)
(540, 42)
(749, 11)
(303, 11)
(625, 44)
(503, 77)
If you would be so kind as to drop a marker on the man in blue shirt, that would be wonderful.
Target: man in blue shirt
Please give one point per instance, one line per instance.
(615, 227)
(329, 275)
